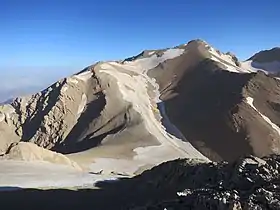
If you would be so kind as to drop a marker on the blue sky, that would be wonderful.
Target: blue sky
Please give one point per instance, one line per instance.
(52, 38)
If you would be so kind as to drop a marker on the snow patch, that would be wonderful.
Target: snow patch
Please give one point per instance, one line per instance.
(72, 80)
(207, 46)
(250, 101)
(64, 89)
(151, 52)
(40, 174)
(136, 94)
(145, 64)
(84, 76)
(248, 66)
(110, 165)
(227, 61)
(222, 56)
(172, 129)
(271, 67)
(82, 104)
(186, 192)
(155, 154)
(230, 68)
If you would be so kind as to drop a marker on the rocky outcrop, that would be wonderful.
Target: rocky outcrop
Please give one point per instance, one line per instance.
(7, 127)
(249, 183)
(234, 58)
(48, 117)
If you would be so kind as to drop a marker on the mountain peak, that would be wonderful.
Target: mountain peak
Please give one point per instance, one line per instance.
(266, 56)
(199, 41)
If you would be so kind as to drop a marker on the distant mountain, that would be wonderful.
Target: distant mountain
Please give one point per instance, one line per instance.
(266, 60)
(6, 96)
(189, 101)
(9, 101)
(267, 56)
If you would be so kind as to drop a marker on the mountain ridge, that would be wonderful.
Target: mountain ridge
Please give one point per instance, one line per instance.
(187, 101)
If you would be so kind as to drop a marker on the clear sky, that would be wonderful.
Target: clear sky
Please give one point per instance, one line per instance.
(51, 38)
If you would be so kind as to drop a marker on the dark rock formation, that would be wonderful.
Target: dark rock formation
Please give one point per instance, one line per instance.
(249, 183)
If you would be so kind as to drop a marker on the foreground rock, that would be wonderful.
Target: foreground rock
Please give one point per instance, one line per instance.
(247, 184)
(26, 151)
(250, 183)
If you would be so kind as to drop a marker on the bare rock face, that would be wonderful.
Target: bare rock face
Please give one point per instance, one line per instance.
(7, 127)
(47, 117)
(26, 151)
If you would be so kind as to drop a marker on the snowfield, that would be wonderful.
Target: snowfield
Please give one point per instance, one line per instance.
(227, 61)
(271, 67)
(145, 64)
(22, 174)
(250, 101)
(82, 105)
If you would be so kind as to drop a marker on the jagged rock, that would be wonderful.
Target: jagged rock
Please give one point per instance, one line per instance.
(234, 58)
(249, 183)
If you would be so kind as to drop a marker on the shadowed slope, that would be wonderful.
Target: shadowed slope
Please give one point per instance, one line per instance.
(248, 183)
